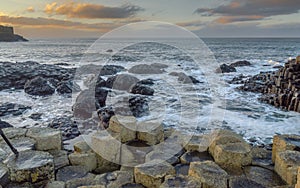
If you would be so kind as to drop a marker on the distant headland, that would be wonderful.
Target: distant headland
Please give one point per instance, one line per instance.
(7, 35)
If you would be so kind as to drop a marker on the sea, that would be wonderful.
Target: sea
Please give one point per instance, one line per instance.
(194, 108)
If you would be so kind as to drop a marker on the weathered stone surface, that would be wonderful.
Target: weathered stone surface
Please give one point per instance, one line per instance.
(71, 172)
(134, 153)
(193, 156)
(4, 124)
(265, 177)
(145, 69)
(150, 132)
(151, 174)
(242, 182)
(60, 158)
(124, 126)
(209, 174)
(104, 166)
(77, 182)
(14, 132)
(82, 147)
(31, 166)
(141, 89)
(182, 169)
(88, 160)
(46, 138)
(106, 146)
(262, 157)
(21, 144)
(230, 151)
(56, 184)
(114, 179)
(122, 82)
(4, 175)
(198, 143)
(298, 179)
(287, 164)
(283, 143)
(180, 181)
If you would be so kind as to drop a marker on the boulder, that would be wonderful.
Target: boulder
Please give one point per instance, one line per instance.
(114, 179)
(133, 153)
(209, 174)
(31, 166)
(225, 69)
(56, 184)
(185, 79)
(46, 138)
(240, 64)
(67, 126)
(180, 181)
(88, 160)
(141, 89)
(106, 147)
(82, 147)
(122, 82)
(124, 126)
(104, 114)
(60, 158)
(39, 86)
(198, 143)
(82, 181)
(287, 164)
(67, 87)
(110, 70)
(229, 150)
(283, 143)
(150, 132)
(152, 174)
(145, 69)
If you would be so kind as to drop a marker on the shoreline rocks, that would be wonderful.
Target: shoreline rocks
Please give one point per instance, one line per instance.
(140, 165)
(7, 35)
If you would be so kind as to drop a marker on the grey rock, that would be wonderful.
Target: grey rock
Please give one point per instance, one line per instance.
(39, 86)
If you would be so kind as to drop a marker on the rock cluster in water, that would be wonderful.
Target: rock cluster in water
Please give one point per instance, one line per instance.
(146, 155)
(280, 88)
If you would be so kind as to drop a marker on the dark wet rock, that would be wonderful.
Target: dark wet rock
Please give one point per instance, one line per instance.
(36, 116)
(4, 124)
(4, 175)
(182, 77)
(148, 81)
(62, 64)
(139, 106)
(71, 172)
(104, 114)
(240, 79)
(111, 70)
(109, 50)
(15, 75)
(67, 126)
(124, 58)
(225, 69)
(277, 67)
(240, 64)
(142, 90)
(180, 181)
(121, 82)
(114, 179)
(31, 166)
(182, 169)
(145, 69)
(12, 109)
(39, 86)
(7, 35)
(67, 87)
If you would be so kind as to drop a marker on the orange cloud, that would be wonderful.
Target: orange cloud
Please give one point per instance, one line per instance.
(30, 9)
(91, 11)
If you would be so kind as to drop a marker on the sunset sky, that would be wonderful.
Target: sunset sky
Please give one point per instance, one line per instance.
(206, 18)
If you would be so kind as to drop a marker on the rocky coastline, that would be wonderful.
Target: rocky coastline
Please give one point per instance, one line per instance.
(7, 35)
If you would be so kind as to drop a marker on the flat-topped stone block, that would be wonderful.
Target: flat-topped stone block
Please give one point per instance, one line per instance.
(60, 158)
(13, 132)
(243, 182)
(287, 164)
(194, 156)
(283, 143)
(198, 143)
(209, 174)
(151, 132)
(46, 138)
(134, 153)
(20, 143)
(114, 179)
(151, 174)
(71, 172)
(31, 166)
(124, 126)
(82, 147)
(88, 160)
(180, 181)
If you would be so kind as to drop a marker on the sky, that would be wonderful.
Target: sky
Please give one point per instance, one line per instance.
(205, 18)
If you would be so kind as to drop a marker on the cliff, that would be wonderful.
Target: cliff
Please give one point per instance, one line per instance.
(7, 35)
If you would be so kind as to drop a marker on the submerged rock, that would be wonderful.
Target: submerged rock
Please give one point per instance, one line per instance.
(4, 124)
(142, 90)
(12, 109)
(240, 64)
(67, 126)
(122, 82)
(225, 69)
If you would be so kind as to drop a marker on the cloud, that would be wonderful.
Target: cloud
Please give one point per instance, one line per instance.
(55, 23)
(247, 10)
(30, 9)
(91, 11)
